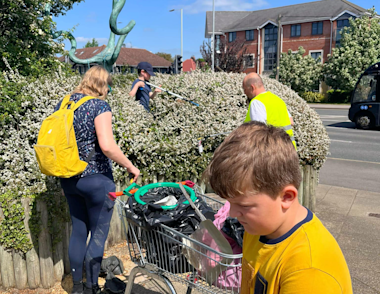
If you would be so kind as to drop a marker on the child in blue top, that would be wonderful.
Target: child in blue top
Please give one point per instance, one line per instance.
(142, 91)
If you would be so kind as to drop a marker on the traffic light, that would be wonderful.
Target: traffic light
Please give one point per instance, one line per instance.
(178, 64)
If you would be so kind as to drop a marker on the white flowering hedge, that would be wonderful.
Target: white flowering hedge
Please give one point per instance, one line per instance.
(164, 144)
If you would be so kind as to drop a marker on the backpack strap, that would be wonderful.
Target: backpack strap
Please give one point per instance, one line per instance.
(65, 101)
(76, 106)
(81, 101)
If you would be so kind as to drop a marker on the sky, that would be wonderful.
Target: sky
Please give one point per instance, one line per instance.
(157, 29)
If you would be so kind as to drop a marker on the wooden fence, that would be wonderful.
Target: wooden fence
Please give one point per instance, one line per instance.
(43, 267)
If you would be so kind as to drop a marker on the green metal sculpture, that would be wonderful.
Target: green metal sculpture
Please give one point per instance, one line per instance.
(109, 55)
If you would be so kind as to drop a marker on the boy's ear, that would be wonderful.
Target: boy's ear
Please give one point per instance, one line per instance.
(288, 196)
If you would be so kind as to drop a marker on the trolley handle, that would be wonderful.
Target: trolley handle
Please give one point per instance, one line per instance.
(114, 195)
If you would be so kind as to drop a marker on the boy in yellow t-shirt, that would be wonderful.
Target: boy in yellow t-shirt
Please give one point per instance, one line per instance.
(286, 248)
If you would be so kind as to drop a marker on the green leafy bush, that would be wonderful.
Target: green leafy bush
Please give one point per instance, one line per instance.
(299, 72)
(163, 145)
(338, 96)
(312, 97)
(359, 48)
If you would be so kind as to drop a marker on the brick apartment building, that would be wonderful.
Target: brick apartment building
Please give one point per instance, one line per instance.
(127, 60)
(315, 26)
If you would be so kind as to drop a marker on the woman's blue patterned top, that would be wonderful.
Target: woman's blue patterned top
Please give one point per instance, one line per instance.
(85, 134)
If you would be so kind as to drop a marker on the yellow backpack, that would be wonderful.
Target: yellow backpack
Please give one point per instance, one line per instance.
(56, 149)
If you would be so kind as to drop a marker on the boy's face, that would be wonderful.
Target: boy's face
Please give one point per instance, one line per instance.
(260, 214)
(145, 75)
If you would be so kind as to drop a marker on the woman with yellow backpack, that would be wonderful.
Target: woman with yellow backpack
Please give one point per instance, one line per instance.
(85, 179)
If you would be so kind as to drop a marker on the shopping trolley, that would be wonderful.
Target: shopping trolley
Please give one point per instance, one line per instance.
(155, 251)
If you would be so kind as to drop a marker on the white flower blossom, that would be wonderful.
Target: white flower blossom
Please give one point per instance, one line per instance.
(163, 145)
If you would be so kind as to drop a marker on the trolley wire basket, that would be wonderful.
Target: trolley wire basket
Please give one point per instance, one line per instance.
(158, 253)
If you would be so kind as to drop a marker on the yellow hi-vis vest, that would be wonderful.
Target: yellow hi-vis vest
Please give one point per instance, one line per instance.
(277, 113)
(56, 148)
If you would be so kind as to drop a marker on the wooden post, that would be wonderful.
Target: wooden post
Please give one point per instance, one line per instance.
(59, 269)
(66, 242)
(45, 249)
(1, 218)
(154, 178)
(313, 186)
(118, 186)
(300, 190)
(306, 186)
(33, 269)
(115, 228)
(21, 274)
(7, 269)
(32, 260)
(1, 282)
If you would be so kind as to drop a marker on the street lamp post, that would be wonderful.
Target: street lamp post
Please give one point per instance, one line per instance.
(181, 28)
(213, 37)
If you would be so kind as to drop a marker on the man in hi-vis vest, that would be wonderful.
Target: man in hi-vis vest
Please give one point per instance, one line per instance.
(266, 107)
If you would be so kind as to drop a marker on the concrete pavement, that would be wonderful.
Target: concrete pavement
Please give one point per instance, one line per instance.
(345, 213)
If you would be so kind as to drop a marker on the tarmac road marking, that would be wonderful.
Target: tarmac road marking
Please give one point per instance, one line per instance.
(332, 140)
(353, 160)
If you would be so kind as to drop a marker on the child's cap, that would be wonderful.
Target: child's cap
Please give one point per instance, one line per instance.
(147, 67)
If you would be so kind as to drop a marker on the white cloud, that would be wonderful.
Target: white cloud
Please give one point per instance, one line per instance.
(101, 41)
(224, 5)
(129, 45)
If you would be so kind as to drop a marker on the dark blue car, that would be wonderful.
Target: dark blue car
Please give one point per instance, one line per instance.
(365, 99)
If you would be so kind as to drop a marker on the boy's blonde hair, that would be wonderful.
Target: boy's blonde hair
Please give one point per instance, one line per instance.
(254, 158)
(95, 82)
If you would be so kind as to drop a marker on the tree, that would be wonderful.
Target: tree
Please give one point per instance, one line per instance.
(25, 39)
(167, 56)
(92, 43)
(231, 56)
(301, 73)
(359, 48)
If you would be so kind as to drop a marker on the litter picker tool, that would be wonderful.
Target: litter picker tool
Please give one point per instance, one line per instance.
(200, 146)
(171, 93)
(206, 261)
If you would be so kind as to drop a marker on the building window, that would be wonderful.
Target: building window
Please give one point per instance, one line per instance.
(270, 47)
(316, 55)
(217, 45)
(340, 25)
(249, 60)
(343, 23)
(295, 30)
(231, 36)
(317, 28)
(249, 35)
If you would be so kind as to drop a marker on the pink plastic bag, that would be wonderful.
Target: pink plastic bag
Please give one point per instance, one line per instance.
(230, 278)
